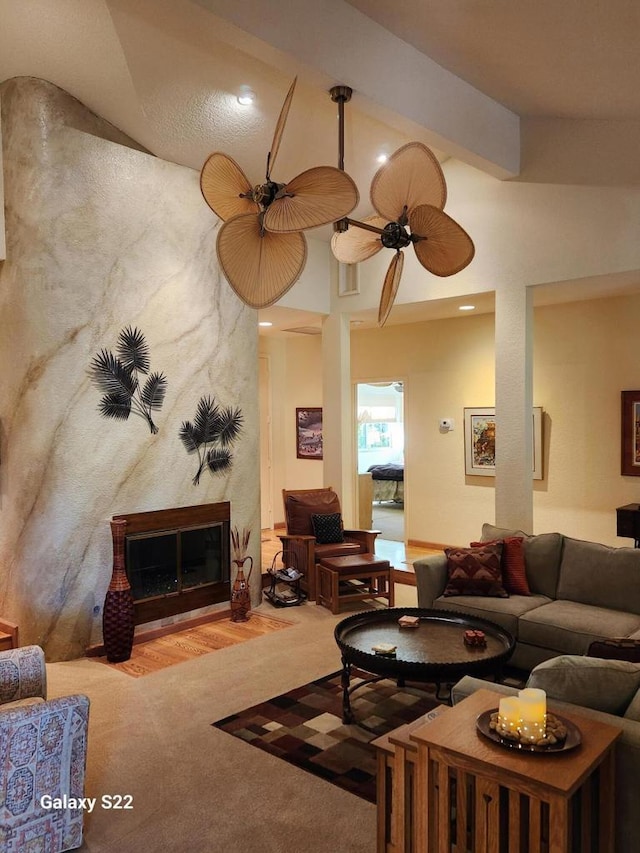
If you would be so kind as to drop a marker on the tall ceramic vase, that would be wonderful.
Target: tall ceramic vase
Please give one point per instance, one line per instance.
(240, 593)
(118, 619)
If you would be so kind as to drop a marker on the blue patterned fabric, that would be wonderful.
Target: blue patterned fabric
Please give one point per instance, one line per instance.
(22, 674)
(43, 751)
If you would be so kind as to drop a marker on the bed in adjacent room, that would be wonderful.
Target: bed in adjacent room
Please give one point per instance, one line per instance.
(388, 482)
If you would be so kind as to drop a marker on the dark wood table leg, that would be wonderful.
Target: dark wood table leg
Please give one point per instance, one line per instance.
(347, 713)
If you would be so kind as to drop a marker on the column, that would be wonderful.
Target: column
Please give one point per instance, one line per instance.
(338, 441)
(514, 407)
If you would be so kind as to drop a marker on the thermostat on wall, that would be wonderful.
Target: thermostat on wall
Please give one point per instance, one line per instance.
(446, 424)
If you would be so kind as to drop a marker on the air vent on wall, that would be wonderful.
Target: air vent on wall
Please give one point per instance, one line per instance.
(305, 330)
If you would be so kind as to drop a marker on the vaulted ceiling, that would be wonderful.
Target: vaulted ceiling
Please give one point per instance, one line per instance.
(476, 81)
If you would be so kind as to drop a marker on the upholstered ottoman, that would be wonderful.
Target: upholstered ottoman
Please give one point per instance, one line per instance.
(353, 578)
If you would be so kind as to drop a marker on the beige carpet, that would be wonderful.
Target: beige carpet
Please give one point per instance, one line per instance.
(196, 789)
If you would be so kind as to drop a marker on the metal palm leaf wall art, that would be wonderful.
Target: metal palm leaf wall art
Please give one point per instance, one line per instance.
(118, 377)
(260, 246)
(210, 436)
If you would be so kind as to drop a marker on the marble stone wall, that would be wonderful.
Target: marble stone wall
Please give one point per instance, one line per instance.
(102, 235)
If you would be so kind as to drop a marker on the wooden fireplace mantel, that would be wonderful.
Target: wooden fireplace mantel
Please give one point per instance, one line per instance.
(177, 518)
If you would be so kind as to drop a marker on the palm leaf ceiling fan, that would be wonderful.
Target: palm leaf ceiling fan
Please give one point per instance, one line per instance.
(260, 246)
(408, 194)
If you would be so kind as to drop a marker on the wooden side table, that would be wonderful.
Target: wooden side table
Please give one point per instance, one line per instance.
(8, 635)
(353, 578)
(472, 794)
(395, 785)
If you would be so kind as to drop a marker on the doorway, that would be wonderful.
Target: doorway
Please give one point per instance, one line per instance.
(380, 452)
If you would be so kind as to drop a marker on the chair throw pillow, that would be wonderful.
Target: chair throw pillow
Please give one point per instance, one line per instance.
(327, 528)
(475, 571)
(514, 575)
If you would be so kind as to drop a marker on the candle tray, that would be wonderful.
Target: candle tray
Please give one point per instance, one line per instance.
(573, 737)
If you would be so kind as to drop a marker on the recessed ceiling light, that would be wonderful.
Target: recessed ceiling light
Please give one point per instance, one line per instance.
(357, 322)
(265, 323)
(466, 307)
(382, 158)
(246, 96)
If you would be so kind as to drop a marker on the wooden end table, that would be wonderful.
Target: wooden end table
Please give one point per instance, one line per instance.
(395, 785)
(502, 799)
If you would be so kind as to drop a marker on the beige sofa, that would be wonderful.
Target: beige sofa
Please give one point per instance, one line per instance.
(581, 592)
(605, 690)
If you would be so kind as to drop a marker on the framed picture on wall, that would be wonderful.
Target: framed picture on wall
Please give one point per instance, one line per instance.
(630, 433)
(309, 433)
(480, 442)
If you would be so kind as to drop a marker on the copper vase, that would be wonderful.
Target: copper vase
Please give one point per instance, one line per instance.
(240, 593)
(118, 618)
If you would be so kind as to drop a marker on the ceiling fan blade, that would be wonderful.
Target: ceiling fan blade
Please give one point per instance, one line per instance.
(447, 248)
(390, 287)
(222, 182)
(356, 244)
(277, 134)
(316, 197)
(259, 266)
(410, 177)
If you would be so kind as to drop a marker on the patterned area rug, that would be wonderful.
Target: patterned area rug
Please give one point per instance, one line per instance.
(305, 728)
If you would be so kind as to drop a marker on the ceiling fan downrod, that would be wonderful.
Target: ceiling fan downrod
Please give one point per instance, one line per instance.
(341, 95)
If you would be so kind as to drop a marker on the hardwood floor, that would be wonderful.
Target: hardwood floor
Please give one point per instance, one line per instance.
(161, 652)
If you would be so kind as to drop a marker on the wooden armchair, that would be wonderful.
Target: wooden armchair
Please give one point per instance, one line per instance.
(300, 543)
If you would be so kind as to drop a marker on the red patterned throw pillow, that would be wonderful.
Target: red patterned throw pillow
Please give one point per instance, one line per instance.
(475, 571)
(514, 575)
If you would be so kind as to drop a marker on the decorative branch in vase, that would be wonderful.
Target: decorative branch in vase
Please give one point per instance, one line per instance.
(119, 376)
(214, 429)
(240, 594)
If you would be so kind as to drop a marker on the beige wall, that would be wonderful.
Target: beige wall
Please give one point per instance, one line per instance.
(585, 354)
(446, 365)
(296, 379)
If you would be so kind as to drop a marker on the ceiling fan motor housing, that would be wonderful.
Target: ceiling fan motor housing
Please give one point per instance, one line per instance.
(395, 236)
(265, 193)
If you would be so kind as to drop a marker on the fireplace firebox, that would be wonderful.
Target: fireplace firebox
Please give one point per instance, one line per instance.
(177, 560)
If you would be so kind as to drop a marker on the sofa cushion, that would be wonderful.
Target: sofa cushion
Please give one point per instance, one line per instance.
(502, 611)
(541, 556)
(327, 528)
(598, 574)
(604, 685)
(570, 627)
(514, 572)
(475, 571)
(633, 708)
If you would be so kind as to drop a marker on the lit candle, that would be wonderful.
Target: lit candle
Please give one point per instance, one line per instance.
(533, 705)
(533, 712)
(509, 714)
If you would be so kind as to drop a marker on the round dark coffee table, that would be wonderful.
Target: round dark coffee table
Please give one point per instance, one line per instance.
(433, 652)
